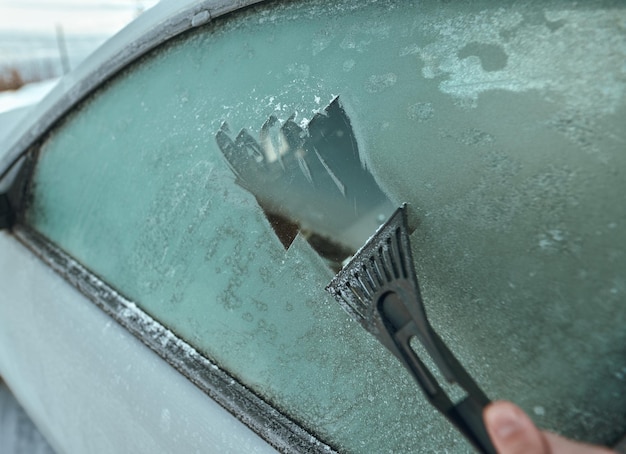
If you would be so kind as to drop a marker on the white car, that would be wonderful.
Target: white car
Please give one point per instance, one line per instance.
(173, 210)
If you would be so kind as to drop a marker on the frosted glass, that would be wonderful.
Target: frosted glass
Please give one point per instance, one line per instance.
(501, 126)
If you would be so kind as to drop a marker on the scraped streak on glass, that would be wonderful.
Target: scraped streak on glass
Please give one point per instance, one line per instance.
(310, 180)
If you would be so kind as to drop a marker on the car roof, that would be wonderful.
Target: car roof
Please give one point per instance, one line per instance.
(157, 25)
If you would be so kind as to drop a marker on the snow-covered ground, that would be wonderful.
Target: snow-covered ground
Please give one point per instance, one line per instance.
(27, 95)
(14, 105)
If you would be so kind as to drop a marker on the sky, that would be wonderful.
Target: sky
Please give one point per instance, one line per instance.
(76, 16)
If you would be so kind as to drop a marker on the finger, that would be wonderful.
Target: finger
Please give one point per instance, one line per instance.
(560, 445)
(512, 432)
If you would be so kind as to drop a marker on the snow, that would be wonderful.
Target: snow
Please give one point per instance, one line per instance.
(27, 95)
(15, 105)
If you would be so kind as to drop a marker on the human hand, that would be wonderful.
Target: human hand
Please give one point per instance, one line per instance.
(513, 432)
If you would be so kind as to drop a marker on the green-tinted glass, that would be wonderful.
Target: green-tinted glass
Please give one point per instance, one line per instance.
(502, 126)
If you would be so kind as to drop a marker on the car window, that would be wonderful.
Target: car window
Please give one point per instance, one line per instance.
(222, 180)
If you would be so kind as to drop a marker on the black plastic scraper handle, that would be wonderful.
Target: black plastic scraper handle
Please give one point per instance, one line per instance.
(469, 420)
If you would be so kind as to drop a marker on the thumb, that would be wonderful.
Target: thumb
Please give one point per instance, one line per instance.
(512, 432)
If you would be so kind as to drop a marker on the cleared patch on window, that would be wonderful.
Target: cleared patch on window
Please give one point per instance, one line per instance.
(309, 179)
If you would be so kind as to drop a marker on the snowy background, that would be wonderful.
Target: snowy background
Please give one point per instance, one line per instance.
(40, 39)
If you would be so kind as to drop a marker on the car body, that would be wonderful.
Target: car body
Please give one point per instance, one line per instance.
(174, 208)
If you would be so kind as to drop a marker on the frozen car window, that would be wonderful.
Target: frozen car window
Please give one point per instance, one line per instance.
(220, 182)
